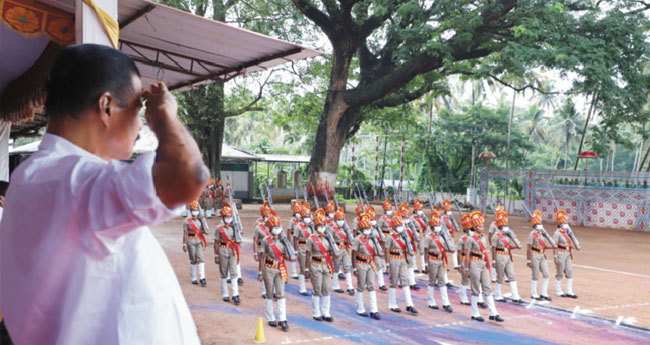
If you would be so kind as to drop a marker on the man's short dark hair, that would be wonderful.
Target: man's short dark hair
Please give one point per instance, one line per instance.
(81, 73)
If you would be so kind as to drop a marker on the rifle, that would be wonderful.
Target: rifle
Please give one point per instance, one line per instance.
(268, 195)
(285, 241)
(444, 233)
(315, 196)
(336, 201)
(295, 191)
(262, 192)
(236, 220)
(365, 197)
(409, 247)
(544, 233)
(304, 192)
(573, 237)
(327, 198)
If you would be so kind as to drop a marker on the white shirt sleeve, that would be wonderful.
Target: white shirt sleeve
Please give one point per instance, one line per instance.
(119, 196)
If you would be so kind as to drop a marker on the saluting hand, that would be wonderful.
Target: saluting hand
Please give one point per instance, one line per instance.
(161, 105)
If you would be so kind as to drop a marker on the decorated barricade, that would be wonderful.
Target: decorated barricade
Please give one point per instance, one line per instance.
(591, 198)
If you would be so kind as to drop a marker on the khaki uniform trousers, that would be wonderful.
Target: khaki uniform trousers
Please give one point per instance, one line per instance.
(321, 279)
(538, 261)
(464, 280)
(343, 258)
(227, 262)
(365, 277)
(564, 265)
(436, 272)
(398, 271)
(302, 256)
(479, 277)
(273, 281)
(504, 268)
(195, 250)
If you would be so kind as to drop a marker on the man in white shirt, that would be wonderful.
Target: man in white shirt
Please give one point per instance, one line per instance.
(78, 264)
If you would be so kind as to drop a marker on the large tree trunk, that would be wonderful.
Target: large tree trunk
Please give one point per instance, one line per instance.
(334, 126)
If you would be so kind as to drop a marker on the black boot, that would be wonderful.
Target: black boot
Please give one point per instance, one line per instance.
(204, 282)
(240, 281)
(412, 310)
(496, 318)
(415, 287)
(284, 325)
(375, 316)
(447, 308)
(236, 300)
(273, 324)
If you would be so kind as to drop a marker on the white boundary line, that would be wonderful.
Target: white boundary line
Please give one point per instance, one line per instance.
(598, 269)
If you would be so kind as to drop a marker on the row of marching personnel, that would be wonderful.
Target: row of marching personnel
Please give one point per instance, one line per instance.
(323, 249)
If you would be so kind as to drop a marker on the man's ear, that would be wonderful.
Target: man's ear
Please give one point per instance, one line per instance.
(105, 105)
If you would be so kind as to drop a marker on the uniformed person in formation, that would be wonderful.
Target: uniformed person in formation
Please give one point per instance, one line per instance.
(397, 250)
(384, 221)
(536, 258)
(206, 200)
(259, 233)
(379, 235)
(502, 257)
(419, 220)
(194, 231)
(273, 271)
(414, 238)
(384, 224)
(301, 235)
(355, 227)
(460, 254)
(365, 249)
(320, 252)
(491, 231)
(343, 239)
(562, 255)
(435, 247)
(294, 224)
(449, 226)
(330, 209)
(226, 254)
(478, 268)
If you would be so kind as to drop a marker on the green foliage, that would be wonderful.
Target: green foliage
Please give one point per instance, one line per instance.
(446, 160)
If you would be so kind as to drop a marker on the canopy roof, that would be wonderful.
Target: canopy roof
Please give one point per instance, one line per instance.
(184, 49)
(167, 45)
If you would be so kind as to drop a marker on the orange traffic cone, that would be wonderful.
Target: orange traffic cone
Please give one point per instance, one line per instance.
(259, 334)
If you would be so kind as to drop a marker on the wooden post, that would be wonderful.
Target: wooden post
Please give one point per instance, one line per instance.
(88, 27)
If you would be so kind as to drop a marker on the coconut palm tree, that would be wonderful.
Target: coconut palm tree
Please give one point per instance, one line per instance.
(534, 121)
(566, 124)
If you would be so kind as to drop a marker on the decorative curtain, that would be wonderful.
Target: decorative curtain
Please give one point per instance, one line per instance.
(33, 19)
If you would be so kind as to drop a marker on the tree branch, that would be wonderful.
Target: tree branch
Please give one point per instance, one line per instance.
(506, 84)
(315, 15)
(250, 107)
